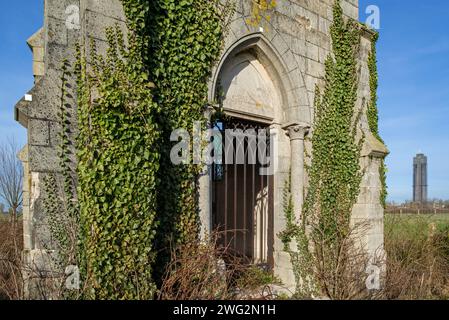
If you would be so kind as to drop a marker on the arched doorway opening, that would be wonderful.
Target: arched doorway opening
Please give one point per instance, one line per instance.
(242, 192)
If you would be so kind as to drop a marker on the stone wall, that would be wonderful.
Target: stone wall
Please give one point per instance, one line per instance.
(292, 46)
(38, 112)
(369, 211)
(296, 41)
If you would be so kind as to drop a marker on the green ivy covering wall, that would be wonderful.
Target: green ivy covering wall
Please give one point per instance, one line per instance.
(118, 171)
(335, 174)
(373, 113)
(135, 205)
(60, 200)
(185, 40)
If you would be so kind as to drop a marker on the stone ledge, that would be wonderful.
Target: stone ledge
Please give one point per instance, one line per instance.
(372, 147)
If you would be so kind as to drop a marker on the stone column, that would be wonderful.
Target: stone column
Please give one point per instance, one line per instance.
(297, 133)
(27, 232)
(205, 188)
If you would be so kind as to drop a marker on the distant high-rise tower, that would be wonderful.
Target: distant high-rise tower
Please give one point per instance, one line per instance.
(420, 178)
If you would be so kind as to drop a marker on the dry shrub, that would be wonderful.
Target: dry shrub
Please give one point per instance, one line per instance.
(15, 271)
(341, 266)
(11, 246)
(204, 270)
(417, 259)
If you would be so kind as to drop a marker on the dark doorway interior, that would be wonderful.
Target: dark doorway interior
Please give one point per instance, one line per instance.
(243, 200)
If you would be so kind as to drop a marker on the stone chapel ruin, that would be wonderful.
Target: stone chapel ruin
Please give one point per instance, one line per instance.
(268, 74)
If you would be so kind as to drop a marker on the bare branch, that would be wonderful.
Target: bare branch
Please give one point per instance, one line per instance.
(11, 175)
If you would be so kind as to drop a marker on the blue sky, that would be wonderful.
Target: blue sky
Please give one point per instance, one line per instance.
(413, 53)
(19, 19)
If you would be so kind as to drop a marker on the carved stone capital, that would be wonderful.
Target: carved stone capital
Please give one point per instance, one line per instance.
(296, 131)
(209, 112)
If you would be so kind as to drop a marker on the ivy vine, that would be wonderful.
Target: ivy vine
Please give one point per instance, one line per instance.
(118, 164)
(373, 114)
(185, 40)
(335, 174)
(134, 202)
(259, 11)
(60, 201)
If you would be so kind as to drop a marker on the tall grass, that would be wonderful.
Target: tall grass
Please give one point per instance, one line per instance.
(417, 250)
(417, 257)
(11, 246)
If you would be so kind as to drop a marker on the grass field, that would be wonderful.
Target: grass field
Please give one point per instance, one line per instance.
(417, 248)
(416, 225)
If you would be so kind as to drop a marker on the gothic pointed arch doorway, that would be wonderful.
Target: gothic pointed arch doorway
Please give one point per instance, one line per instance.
(243, 191)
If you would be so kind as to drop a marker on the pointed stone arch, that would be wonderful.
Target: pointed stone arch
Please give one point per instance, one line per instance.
(282, 68)
(264, 55)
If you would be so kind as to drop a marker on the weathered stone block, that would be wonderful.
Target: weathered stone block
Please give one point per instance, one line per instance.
(110, 8)
(314, 68)
(39, 132)
(97, 24)
(56, 31)
(43, 159)
(58, 8)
